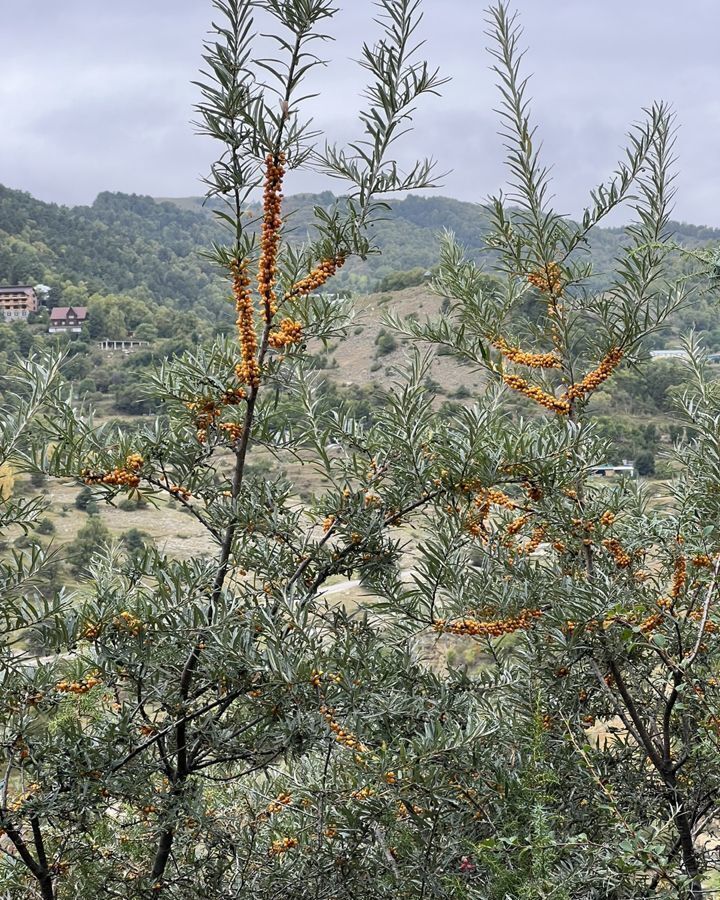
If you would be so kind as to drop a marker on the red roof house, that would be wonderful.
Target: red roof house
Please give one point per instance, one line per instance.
(67, 318)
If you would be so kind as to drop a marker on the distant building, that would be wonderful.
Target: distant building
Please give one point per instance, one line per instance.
(128, 345)
(627, 468)
(668, 354)
(17, 301)
(67, 318)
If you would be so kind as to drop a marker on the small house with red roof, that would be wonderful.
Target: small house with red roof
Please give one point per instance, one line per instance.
(67, 318)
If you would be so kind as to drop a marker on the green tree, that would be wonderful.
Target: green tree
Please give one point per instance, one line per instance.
(90, 540)
(645, 462)
(85, 500)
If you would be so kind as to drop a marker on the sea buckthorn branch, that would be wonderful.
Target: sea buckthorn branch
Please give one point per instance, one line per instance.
(342, 736)
(526, 358)
(183, 496)
(556, 404)
(549, 280)
(41, 873)
(592, 381)
(316, 278)
(692, 656)
(679, 577)
(392, 518)
(617, 551)
(207, 410)
(274, 132)
(494, 628)
(270, 232)
(167, 729)
(563, 405)
(128, 475)
(248, 370)
(288, 333)
(477, 515)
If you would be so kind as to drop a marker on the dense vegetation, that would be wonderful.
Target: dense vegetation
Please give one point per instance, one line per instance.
(524, 704)
(152, 249)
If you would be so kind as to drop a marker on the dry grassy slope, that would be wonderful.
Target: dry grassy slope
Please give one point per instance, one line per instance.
(357, 358)
(173, 531)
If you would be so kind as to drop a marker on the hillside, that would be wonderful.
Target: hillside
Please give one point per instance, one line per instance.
(153, 248)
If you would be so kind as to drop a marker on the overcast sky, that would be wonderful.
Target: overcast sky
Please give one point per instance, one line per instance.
(96, 95)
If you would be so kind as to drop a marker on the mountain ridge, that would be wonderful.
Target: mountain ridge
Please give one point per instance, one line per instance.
(153, 247)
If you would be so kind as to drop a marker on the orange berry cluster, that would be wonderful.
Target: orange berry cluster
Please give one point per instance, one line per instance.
(290, 332)
(710, 626)
(122, 476)
(279, 803)
(702, 561)
(177, 490)
(324, 270)
(607, 518)
(533, 491)
(493, 497)
(233, 396)
(282, 845)
(474, 523)
(536, 538)
(232, 431)
(679, 577)
(126, 621)
(362, 793)
(317, 676)
(594, 379)
(78, 687)
(248, 371)
(91, 632)
(547, 280)
(487, 497)
(615, 549)
(522, 386)
(17, 803)
(497, 628)
(206, 412)
(516, 524)
(270, 233)
(525, 358)
(562, 405)
(328, 523)
(346, 738)
(401, 811)
(651, 623)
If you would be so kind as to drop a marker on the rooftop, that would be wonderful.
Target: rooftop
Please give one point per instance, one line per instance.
(15, 288)
(62, 312)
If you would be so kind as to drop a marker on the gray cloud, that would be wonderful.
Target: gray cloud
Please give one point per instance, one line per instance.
(97, 96)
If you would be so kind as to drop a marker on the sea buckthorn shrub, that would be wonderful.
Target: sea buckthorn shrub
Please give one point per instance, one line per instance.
(596, 600)
(225, 726)
(193, 726)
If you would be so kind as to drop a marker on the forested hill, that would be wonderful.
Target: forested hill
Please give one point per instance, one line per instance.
(133, 244)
